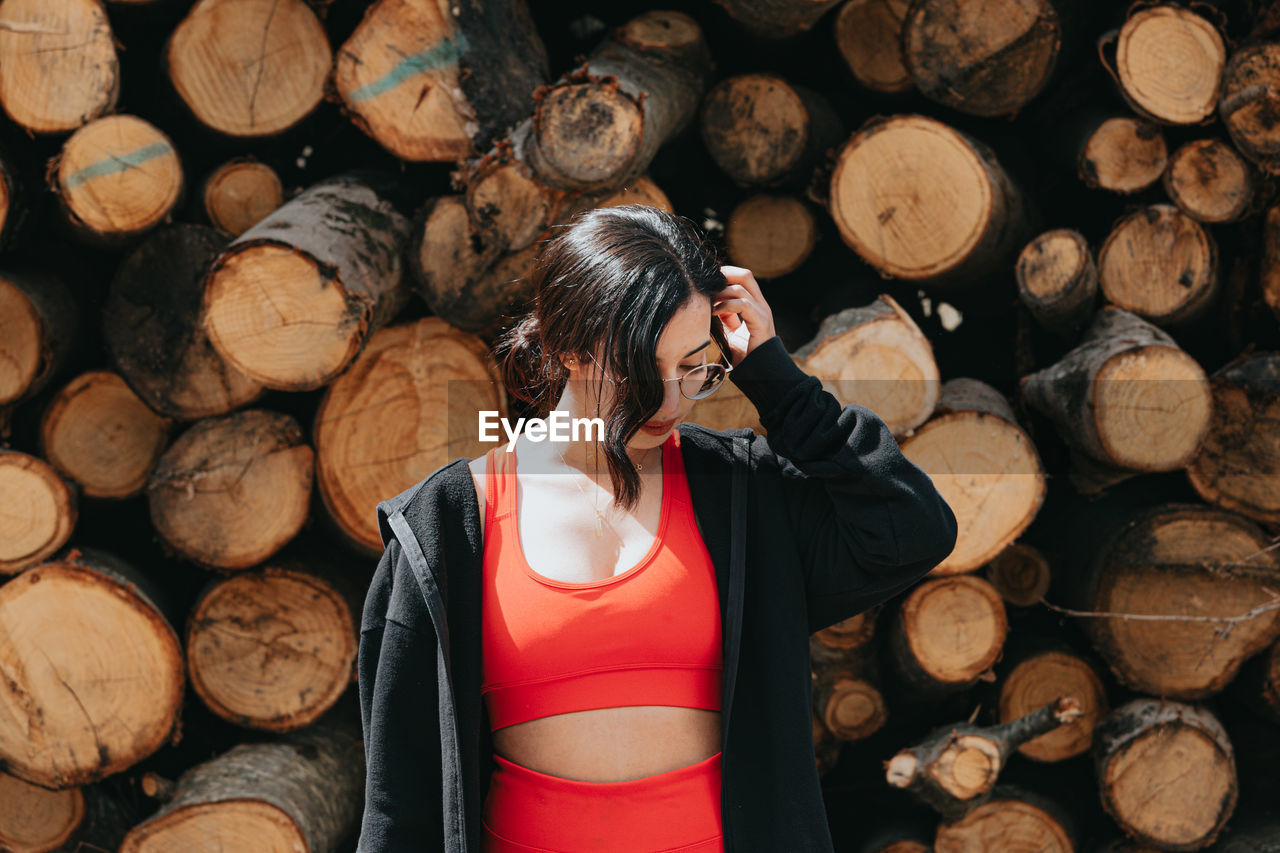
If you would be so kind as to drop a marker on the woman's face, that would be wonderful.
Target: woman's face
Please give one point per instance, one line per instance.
(683, 345)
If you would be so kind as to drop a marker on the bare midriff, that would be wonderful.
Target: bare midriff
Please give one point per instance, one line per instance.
(612, 744)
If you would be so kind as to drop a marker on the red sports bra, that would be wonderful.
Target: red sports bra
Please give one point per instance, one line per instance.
(648, 636)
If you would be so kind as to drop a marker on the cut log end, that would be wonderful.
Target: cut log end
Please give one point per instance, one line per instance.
(217, 51)
(33, 818)
(247, 673)
(921, 222)
(40, 511)
(1145, 751)
(1039, 678)
(241, 193)
(1123, 154)
(1169, 61)
(771, 235)
(869, 36)
(1209, 181)
(119, 638)
(954, 628)
(1021, 574)
(118, 176)
(97, 432)
(267, 308)
(67, 49)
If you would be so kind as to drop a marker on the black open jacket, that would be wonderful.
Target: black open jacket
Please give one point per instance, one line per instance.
(820, 520)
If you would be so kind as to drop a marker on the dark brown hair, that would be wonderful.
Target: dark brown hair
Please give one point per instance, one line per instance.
(613, 276)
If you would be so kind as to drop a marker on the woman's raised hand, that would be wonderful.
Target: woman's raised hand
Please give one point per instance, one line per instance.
(743, 297)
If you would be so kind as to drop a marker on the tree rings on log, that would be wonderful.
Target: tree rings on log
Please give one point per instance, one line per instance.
(151, 327)
(852, 708)
(601, 125)
(232, 490)
(291, 301)
(984, 465)
(1127, 396)
(407, 406)
(434, 82)
(1010, 821)
(58, 64)
(1123, 154)
(1209, 181)
(876, 356)
(117, 177)
(1169, 63)
(1238, 465)
(771, 235)
(37, 513)
(98, 433)
(1041, 677)
(249, 68)
(33, 818)
(1020, 574)
(1058, 280)
(240, 193)
(835, 642)
(1180, 561)
(986, 59)
(764, 131)
(1166, 773)
(1160, 264)
(273, 649)
(869, 36)
(39, 326)
(919, 200)
(1250, 100)
(1259, 682)
(301, 792)
(948, 631)
(120, 637)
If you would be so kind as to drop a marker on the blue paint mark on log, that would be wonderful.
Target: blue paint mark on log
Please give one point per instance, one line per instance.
(445, 53)
(119, 163)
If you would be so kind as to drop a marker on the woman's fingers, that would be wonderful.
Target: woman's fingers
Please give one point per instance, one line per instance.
(744, 277)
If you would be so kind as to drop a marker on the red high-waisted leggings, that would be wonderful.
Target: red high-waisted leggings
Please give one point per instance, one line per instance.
(678, 810)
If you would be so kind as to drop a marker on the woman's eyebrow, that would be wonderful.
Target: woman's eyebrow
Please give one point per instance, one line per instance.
(695, 350)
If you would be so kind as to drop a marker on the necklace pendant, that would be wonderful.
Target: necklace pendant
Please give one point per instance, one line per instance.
(599, 528)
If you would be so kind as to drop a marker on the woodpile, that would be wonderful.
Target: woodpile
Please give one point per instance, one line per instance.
(254, 255)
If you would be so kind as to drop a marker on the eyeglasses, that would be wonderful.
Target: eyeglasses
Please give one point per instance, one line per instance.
(698, 383)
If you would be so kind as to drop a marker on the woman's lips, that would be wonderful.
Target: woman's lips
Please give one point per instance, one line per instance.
(656, 428)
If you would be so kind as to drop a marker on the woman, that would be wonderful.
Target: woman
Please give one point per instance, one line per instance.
(560, 654)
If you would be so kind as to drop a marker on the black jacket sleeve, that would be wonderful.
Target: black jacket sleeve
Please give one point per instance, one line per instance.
(396, 677)
(869, 522)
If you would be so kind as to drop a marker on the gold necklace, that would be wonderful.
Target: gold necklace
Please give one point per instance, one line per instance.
(600, 520)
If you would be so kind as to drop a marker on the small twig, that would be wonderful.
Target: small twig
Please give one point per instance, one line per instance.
(1273, 604)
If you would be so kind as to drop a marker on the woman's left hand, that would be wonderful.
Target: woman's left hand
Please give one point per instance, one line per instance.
(743, 297)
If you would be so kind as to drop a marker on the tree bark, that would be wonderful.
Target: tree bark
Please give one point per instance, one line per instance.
(291, 301)
(152, 330)
(1127, 395)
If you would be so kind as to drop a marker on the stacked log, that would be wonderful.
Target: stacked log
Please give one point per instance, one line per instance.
(246, 298)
